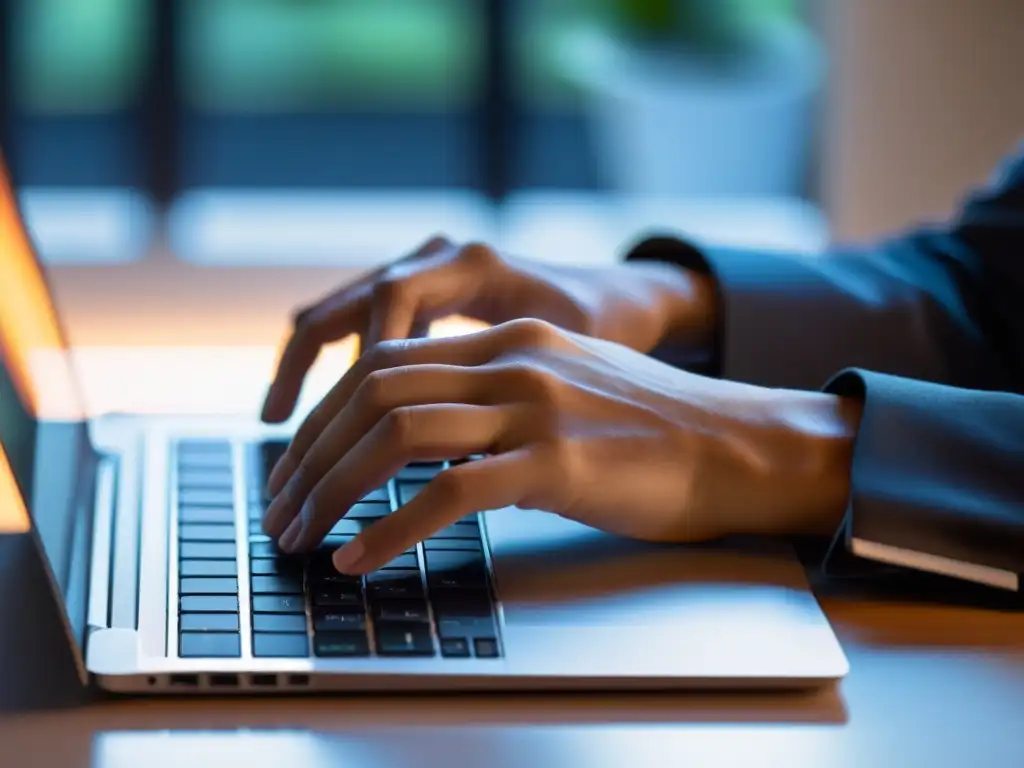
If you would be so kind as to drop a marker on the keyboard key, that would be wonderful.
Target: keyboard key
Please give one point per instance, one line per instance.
(191, 568)
(216, 478)
(455, 569)
(206, 533)
(278, 604)
(208, 587)
(210, 644)
(208, 622)
(378, 495)
(368, 511)
(206, 497)
(347, 527)
(279, 622)
(208, 604)
(402, 562)
(338, 644)
(458, 531)
(337, 595)
(454, 647)
(408, 491)
(203, 445)
(486, 647)
(400, 610)
(202, 550)
(206, 516)
(394, 639)
(265, 549)
(419, 472)
(465, 627)
(280, 645)
(327, 578)
(256, 528)
(466, 545)
(276, 566)
(335, 621)
(388, 585)
(458, 603)
(277, 585)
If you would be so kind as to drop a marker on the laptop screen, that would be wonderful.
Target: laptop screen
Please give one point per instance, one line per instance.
(44, 448)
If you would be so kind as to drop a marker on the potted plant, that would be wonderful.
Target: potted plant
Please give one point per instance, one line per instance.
(699, 97)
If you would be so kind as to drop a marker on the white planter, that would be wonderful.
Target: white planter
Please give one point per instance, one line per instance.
(667, 124)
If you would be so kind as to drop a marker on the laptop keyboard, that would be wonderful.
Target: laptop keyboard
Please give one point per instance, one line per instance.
(432, 600)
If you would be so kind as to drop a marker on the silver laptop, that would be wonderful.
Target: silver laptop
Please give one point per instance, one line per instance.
(149, 530)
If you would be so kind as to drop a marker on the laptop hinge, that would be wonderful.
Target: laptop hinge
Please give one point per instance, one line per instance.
(101, 559)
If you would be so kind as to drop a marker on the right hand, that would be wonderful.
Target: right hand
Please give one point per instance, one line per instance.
(637, 305)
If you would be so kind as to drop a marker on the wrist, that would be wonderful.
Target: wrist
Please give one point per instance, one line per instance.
(685, 301)
(812, 461)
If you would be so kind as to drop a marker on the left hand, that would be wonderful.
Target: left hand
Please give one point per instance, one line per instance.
(580, 427)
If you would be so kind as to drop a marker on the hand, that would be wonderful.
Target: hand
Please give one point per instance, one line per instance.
(580, 427)
(638, 305)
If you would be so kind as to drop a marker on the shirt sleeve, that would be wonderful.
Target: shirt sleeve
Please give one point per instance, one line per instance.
(928, 329)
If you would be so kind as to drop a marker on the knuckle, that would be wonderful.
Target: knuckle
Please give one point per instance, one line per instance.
(479, 255)
(532, 333)
(373, 389)
(383, 355)
(400, 426)
(536, 383)
(390, 290)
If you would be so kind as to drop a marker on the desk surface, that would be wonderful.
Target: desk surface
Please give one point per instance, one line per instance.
(929, 685)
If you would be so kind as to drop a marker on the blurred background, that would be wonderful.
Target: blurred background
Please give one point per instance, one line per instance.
(190, 150)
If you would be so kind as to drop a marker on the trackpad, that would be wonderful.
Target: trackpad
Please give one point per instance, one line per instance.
(549, 570)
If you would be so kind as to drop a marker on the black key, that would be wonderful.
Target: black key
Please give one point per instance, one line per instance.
(459, 603)
(206, 515)
(368, 511)
(423, 472)
(465, 545)
(458, 531)
(280, 645)
(379, 495)
(278, 604)
(263, 549)
(191, 568)
(202, 550)
(402, 562)
(454, 647)
(208, 622)
(206, 477)
(208, 604)
(205, 497)
(276, 566)
(394, 585)
(191, 586)
(328, 578)
(403, 639)
(277, 585)
(210, 644)
(337, 621)
(408, 491)
(337, 595)
(206, 533)
(486, 647)
(400, 610)
(337, 644)
(465, 627)
(455, 569)
(279, 622)
(347, 527)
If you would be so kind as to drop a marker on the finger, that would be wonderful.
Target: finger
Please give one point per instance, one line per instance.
(469, 350)
(415, 433)
(342, 313)
(492, 483)
(379, 394)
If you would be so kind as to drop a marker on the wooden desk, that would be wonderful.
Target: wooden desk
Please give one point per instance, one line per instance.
(930, 685)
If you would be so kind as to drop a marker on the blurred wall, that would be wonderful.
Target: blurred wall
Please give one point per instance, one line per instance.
(926, 96)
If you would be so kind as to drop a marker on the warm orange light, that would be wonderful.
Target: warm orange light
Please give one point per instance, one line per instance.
(13, 514)
(30, 338)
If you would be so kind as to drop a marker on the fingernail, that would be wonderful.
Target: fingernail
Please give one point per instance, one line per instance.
(279, 474)
(274, 518)
(348, 557)
(291, 536)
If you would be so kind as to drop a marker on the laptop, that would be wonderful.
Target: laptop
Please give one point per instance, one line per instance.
(148, 531)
